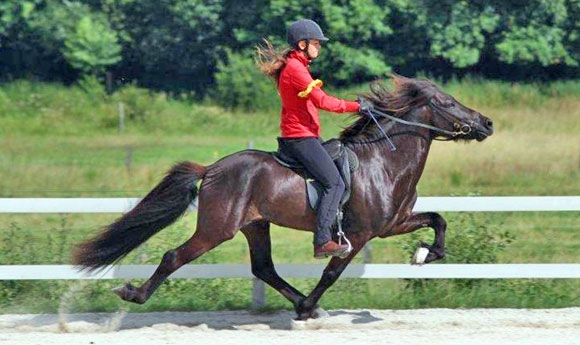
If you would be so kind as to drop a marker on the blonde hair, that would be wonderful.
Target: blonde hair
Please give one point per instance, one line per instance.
(270, 60)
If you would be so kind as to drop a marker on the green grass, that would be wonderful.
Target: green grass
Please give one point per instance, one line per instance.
(64, 142)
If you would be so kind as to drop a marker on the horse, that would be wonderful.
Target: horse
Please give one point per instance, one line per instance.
(248, 190)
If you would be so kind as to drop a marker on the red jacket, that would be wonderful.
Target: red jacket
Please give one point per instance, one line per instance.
(301, 98)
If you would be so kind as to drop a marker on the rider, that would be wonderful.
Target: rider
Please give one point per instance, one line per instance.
(301, 97)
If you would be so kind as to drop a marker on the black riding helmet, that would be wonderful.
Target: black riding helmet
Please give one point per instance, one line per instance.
(304, 29)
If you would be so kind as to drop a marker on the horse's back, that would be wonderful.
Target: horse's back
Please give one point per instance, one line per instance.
(243, 163)
(252, 181)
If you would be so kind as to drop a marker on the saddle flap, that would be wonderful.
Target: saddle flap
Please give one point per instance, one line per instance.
(334, 147)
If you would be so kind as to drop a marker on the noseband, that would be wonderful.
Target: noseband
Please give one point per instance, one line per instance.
(461, 128)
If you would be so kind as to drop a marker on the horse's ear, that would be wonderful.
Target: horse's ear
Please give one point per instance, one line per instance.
(405, 85)
(399, 79)
(414, 88)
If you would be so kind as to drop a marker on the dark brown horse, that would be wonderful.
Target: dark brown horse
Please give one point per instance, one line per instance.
(248, 190)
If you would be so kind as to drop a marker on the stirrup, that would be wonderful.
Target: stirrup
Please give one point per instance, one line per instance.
(341, 235)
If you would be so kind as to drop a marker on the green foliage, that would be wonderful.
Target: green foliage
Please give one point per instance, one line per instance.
(92, 47)
(20, 247)
(139, 104)
(93, 87)
(460, 36)
(174, 44)
(50, 26)
(543, 44)
(537, 33)
(352, 27)
(469, 241)
(177, 45)
(240, 84)
(12, 12)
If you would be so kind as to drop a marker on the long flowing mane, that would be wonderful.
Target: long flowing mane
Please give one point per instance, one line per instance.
(407, 94)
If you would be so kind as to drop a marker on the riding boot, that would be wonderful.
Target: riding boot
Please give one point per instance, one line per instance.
(329, 248)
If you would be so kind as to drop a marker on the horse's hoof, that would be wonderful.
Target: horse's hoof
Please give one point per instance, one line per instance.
(123, 291)
(128, 293)
(302, 317)
(319, 313)
(420, 256)
(316, 313)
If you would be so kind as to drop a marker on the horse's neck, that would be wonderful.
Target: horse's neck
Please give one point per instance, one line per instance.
(408, 160)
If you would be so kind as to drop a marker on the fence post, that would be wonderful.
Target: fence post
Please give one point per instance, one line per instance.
(258, 293)
(128, 158)
(368, 253)
(121, 117)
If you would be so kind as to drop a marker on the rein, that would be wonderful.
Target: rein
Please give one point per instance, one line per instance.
(461, 128)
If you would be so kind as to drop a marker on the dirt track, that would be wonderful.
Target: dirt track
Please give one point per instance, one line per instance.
(427, 326)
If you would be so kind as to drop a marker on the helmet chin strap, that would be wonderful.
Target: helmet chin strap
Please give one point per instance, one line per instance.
(305, 50)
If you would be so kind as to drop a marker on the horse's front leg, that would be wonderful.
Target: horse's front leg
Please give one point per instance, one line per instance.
(423, 220)
(308, 307)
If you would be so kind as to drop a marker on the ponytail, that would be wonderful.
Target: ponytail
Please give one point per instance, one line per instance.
(271, 61)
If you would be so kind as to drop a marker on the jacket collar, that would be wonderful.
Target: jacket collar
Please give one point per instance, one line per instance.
(300, 57)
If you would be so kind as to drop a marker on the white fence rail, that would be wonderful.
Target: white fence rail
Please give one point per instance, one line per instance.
(437, 204)
(365, 271)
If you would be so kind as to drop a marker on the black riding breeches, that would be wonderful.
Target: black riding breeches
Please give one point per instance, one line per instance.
(317, 162)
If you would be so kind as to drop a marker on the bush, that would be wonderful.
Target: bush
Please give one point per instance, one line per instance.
(469, 240)
(140, 105)
(240, 84)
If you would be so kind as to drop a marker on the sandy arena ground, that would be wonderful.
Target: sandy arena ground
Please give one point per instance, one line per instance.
(425, 327)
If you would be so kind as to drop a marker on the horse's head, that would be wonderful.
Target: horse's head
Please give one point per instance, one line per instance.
(455, 120)
(420, 103)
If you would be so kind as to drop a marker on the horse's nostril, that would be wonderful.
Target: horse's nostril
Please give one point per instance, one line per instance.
(489, 123)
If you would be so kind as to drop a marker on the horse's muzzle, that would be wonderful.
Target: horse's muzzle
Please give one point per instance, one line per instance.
(483, 128)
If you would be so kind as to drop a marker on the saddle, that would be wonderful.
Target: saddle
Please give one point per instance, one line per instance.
(345, 159)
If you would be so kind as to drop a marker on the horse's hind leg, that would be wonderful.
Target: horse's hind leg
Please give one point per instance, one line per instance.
(197, 245)
(258, 236)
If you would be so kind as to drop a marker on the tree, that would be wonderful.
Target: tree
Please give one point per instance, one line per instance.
(176, 45)
(352, 26)
(12, 12)
(458, 32)
(513, 32)
(535, 33)
(92, 46)
(173, 44)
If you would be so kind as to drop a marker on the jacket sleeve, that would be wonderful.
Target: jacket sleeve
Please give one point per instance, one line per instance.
(312, 90)
(326, 102)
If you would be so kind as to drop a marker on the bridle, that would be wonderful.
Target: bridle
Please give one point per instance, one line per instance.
(460, 128)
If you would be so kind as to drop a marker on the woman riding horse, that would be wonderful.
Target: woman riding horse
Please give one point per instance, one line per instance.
(301, 96)
(248, 190)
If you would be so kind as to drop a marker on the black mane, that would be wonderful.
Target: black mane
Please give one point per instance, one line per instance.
(407, 94)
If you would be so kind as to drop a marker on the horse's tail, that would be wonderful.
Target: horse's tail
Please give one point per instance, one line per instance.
(160, 208)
